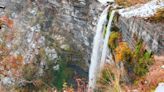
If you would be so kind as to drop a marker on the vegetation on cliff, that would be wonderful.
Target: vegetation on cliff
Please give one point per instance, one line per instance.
(128, 3)
(130, 65)
(48, 52)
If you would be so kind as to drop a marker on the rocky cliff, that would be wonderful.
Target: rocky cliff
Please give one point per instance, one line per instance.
(138, 28)
(48, 30)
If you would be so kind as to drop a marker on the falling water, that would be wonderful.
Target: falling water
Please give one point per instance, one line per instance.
(105, 46)
(143, 11)
(99, 53)
(104, 2)
(95, 58)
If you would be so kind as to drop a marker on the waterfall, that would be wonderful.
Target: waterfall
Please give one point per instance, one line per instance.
(96, 51)
(105, 1)
(99, 53)
(105, 46)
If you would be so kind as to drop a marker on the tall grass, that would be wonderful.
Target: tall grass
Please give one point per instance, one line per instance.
(110, 79)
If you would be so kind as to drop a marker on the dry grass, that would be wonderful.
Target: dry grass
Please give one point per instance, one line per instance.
(128, 3)
(110, 78)
(150, 81)
(158, 17)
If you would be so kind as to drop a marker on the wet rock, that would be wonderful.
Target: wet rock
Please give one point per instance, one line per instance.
(51, 53)
(7, 81)
(56, 67)
(65, 47)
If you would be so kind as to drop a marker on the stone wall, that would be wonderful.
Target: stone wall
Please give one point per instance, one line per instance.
(151, 33)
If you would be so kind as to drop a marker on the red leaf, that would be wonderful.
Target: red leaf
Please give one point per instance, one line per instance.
(7, 21)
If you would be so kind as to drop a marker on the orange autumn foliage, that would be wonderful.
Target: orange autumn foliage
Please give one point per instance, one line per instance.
(7, 21)
(11, 63)
(122, 51)
(15, 61)
(8, 62)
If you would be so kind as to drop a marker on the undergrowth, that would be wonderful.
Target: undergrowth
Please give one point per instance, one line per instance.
(130, 65)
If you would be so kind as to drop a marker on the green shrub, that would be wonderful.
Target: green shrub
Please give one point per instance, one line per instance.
(138, 63)
(141, 67)
(64, 73)
(113, 39)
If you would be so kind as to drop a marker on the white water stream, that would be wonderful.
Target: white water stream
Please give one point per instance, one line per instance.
(98, 57)
(95, 58)
(105, 1)
(105, 46)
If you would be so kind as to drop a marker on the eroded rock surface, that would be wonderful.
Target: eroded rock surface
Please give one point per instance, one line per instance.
(58, 28)
(138, 28)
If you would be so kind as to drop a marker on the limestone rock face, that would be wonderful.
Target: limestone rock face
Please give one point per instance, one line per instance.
(74, 20)
(151, 33)
(58, 27)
